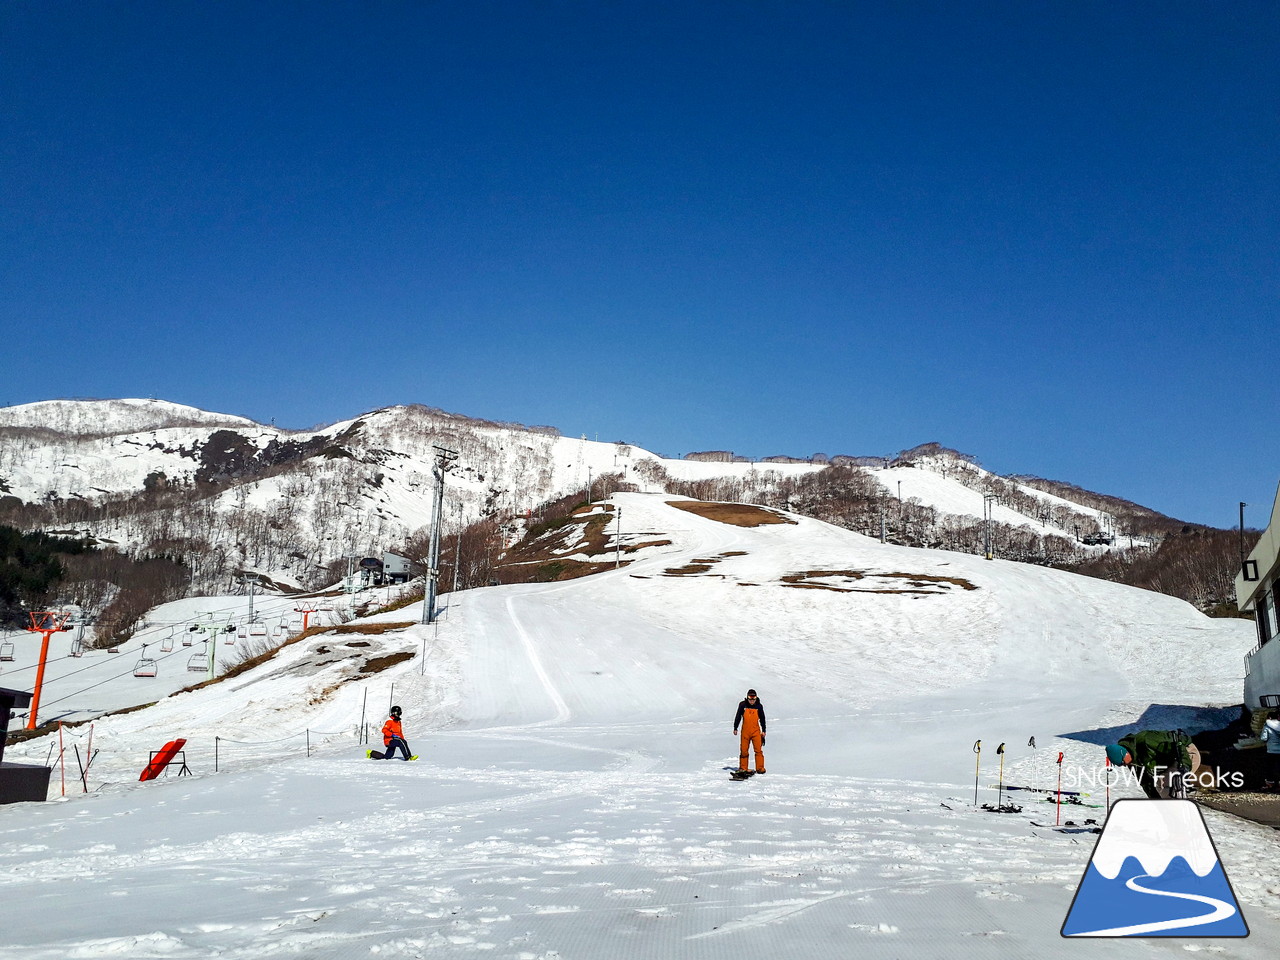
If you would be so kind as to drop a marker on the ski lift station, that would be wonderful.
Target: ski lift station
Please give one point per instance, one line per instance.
(389, 568)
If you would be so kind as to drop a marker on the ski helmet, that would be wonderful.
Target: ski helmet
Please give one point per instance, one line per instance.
(395, 711)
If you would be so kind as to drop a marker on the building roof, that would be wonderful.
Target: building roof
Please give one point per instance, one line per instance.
(1267, 556)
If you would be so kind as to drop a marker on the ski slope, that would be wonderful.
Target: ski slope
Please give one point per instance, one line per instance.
(571, 799)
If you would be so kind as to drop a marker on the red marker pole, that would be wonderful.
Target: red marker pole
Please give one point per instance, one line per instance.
(1059, 822)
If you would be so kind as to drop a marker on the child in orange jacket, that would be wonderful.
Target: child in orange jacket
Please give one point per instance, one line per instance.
(392, 739)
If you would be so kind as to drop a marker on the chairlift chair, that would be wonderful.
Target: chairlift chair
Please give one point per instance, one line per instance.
(257, 631)
(146, 667)
(166, 645)
(196, 663)
(6, 650)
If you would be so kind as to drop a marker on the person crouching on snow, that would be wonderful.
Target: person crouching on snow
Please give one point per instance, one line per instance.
(750, 717)
(393, 737)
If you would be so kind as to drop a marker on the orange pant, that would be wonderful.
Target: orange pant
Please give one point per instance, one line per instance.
(750, 740)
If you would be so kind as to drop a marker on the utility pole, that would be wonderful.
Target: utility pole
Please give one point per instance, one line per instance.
(617, 557)
(988, 500)
(444, 460)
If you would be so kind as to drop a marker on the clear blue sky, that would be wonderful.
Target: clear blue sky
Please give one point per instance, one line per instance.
(1044, 234)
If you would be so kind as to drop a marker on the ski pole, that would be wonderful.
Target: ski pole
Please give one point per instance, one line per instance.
(977, 749)
(1059, 821)
(83, 782)
(1108, 784)
(1000, 790)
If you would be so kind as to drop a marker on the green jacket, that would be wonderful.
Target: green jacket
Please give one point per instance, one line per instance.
(1158, 748)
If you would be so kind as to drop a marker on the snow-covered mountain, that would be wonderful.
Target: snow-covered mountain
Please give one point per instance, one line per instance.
(571, 798)
(290, 501)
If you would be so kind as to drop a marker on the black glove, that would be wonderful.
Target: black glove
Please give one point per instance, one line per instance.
(762, 743)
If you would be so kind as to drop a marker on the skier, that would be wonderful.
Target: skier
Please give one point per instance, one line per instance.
(392, 739)
(750, 717)
(1271, 737)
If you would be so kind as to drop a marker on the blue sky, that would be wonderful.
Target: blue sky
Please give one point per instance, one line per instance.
(1044, 234)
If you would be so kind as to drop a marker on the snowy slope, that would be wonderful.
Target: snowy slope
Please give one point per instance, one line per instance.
(365, 484)
(99, 417)
(571, 799)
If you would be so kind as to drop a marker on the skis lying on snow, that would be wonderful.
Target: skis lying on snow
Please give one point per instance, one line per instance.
(1073, 802)
(1065, 793)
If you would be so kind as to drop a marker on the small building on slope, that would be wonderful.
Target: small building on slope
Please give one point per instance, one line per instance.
(1258, 589)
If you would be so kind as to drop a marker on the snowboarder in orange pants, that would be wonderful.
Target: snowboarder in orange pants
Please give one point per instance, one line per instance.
(751, 718)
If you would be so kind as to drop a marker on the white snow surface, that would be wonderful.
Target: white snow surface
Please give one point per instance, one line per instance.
(571, 798)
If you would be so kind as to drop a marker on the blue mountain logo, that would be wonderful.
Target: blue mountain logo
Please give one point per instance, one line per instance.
(1155, 873)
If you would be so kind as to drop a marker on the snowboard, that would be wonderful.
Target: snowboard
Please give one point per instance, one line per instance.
(375, 755)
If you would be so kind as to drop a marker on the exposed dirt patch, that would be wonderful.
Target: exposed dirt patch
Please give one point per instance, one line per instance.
(368, 629)
(737, 514)
(917, 584)
(688, 570)
(923, 579)
(378, 664)
(542, 556)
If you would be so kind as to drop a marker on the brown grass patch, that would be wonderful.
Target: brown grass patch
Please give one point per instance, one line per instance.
(688, 570)
(736, 514)
(378, 664)
(632, 548)
(921, 582)
(921, 579)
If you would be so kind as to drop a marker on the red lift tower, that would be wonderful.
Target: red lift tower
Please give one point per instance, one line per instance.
(46, 623)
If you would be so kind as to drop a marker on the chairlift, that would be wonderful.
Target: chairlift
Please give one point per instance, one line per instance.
(257, 631)
(146, 667)
(278, 632)
(77, 651)
(115, 649)
(166, 645)
(6, 650)
(197, 662)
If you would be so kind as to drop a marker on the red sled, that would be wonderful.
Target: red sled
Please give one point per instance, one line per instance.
(160, 759)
